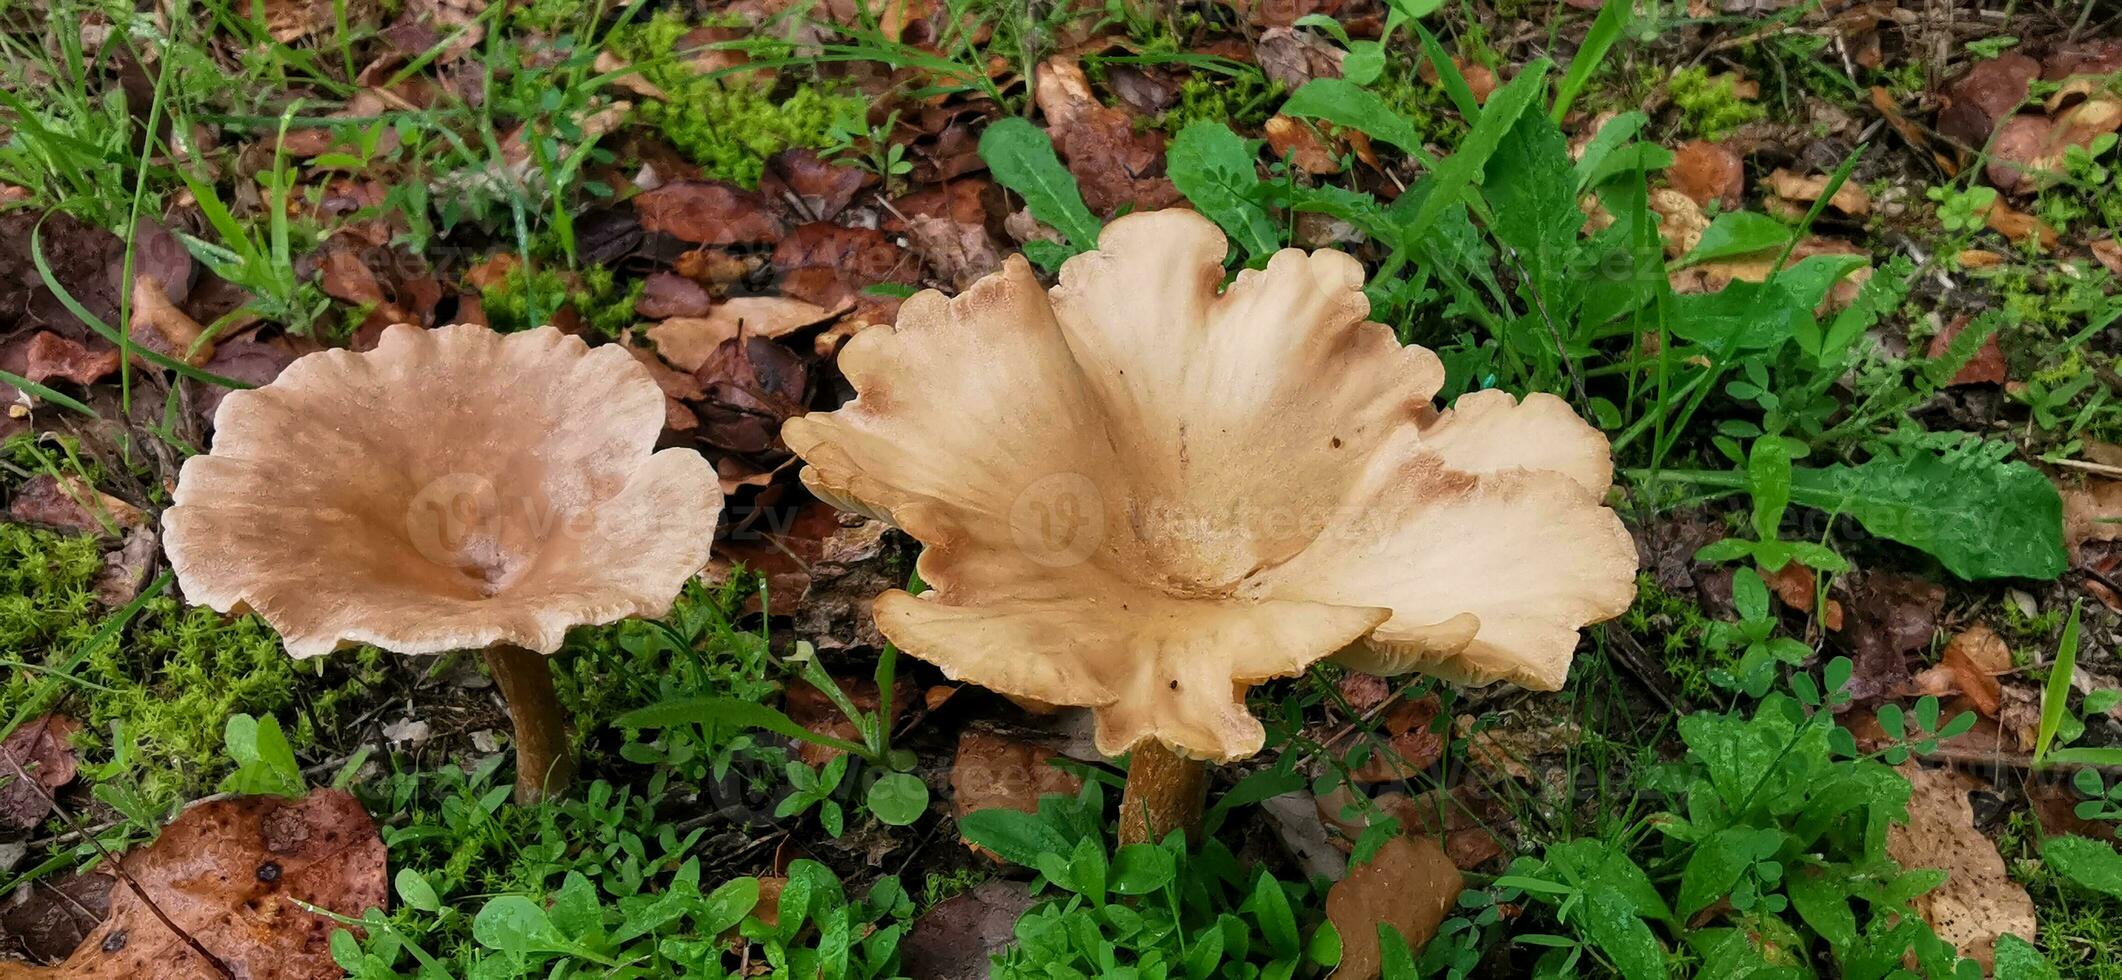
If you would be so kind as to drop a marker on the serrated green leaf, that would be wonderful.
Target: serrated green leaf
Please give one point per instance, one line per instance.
(1021, 156)
(1980, 518)
(1215, 169)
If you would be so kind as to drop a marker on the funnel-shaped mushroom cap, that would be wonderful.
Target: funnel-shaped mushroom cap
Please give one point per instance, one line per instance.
(1142, 494)
(449, 490)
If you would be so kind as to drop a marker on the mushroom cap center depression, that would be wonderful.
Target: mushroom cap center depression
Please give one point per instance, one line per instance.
(488, 533)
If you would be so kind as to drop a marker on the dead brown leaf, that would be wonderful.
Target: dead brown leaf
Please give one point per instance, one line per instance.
(1062, 92)
(1796, 585)
(35, 760)
(1976, 657)
(668, 294)
(1990, 91)
(1979, 901)
(1410, 885)
(707, 213)
(689, 341)
(1849, 199)
(1708, 173)
(48, 356)
(1116, 165)
(229, 873)
(1299, 142)
(956, 939)
(811, 708)
(160, 326)
(993, 771)
(957, 252)
(69, 504)
(348, 279)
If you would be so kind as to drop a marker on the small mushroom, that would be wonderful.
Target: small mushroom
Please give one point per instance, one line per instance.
(452, 489)
(1143, 492)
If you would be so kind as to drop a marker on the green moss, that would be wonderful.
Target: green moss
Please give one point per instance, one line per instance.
(1710, 107)
(45, 593)
(523, 300)
(153, 704)
(1673, 627)
(728, 127)
(2081, 931)
(1244, 101)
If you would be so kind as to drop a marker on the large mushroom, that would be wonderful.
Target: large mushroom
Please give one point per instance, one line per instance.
(453, 489)
(1143, 494)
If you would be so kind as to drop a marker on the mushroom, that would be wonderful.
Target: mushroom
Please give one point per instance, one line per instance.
(452, 489)
(1142, 495)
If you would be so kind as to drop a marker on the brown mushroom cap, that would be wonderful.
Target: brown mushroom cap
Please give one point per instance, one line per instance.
(1142, 494)
(451, 489)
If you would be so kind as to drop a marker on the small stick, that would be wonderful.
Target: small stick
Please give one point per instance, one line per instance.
(118, 868)
(1165, 792)
(545, 763)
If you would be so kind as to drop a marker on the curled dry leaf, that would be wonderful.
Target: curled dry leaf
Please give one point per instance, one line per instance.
(70, 504)
(994, 771)
(1979, 901)
(1850, 199)
(808, 188)
(1977, 656)
(1300, 143)
(957, 252)
(2109, 252)
(707, 213)
(35, 760)
(1411, 884)
(347, 278)
(1091, 500)
(49, 356)
(1990, 91)
(1796, 585)
(668, 294)
(159, 325)
(231, 873)
(752, 385)
(689, 341)
(1708, 172)
(625, 76)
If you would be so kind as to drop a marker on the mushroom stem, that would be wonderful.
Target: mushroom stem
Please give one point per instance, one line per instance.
(545, 764)
(1165, 791)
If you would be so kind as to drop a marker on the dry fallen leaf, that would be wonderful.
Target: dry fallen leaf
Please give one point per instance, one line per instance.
(707, 213)
(48, 356)
(34, 760)
(230, 872)
(688, 341)
(1796, 585)
(1976, 657)
(1849, 199)
(1708, 172)
(159, 325)
(994, 771)
(1979, 901)
(68, 503)
(1410, 885)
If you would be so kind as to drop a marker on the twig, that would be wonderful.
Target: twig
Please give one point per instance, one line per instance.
(117, 866)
